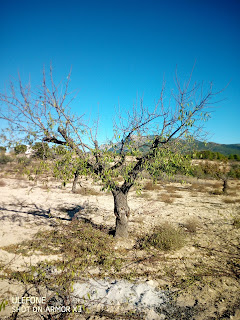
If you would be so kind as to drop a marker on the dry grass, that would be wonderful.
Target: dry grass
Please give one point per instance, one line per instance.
(2, 183)
(216, 192)
(198, 187)
(191, 225)
(87, 192)
(19, 177)
(228, 201)
(166, 198)
(164, 237)
(139, 220)
(175, 195)
(194, 194)
(150, 186)
(171, 189)
(145, 195)
(45, 187)
(119, 179)
(232, 194)
(236, 222)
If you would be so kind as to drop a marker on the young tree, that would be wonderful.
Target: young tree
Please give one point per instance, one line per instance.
(45, 115)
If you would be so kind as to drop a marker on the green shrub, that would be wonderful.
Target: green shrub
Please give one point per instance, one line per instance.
(235, 157)
(209, 155)
(197, 171)
(24, 161)
(206, 169)
(41, 150)
(164, 237)
(5, 159)
(234, 172)
(20, 148)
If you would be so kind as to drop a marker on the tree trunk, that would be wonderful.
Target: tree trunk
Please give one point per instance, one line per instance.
(122, 212)
(225, 185)
(74, 185)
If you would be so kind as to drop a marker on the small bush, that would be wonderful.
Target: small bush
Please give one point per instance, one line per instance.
(175, 195)
(2, 183)
(234, 172)
(164, 237)
(5, 159)
(236, 222)
(206, 170)
(166, 198)
(197, 171)
(216, 192)
(150, 186)
(198, 187)
(192, 224)
(144, 195)
(87, 192)
(21, 148)
(171, 188)
(24, 161)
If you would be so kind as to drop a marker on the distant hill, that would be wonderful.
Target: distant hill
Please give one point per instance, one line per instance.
(225, 149)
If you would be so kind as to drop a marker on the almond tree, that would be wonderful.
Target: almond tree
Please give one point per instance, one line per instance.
(44, 114)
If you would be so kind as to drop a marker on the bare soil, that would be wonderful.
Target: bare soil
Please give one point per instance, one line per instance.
(204, 274)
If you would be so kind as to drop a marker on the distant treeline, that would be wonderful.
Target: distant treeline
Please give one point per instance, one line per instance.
(211, 155)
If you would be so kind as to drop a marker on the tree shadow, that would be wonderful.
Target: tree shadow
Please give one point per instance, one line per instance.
(72, 213)
(81, 213)
(101, 227)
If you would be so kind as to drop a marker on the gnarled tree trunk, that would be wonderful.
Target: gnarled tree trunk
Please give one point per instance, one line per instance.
(225, 185)
(74, 185)
(122, 212)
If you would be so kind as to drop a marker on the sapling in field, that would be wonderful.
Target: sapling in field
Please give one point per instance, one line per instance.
(145, 138)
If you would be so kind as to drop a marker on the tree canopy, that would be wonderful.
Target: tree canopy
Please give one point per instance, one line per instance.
(44, 114)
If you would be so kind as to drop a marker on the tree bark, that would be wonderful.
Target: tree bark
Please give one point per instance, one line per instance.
(225, 185)
(74, 185)
(122, 212)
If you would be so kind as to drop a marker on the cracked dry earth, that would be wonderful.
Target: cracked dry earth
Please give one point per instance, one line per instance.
(203, 276)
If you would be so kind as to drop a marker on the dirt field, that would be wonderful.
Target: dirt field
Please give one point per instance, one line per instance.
(203, 274)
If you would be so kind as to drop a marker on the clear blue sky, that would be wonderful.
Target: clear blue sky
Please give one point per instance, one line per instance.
(118, 49)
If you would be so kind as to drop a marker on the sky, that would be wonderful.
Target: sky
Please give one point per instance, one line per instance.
(120, 50)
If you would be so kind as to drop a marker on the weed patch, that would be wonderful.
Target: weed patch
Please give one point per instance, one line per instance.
(171, 189)
(87, 192)
(82, 245)
(228, 201)
(216, 192)
(236, 222)
(145, 195)
(164, 237)
(165, 198)
(175, 195)
(2, 183)
(150, 186)
(191, 225)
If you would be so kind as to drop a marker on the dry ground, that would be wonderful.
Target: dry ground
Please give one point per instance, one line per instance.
(204, 273)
